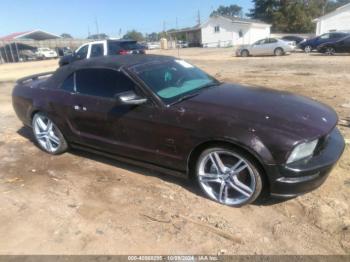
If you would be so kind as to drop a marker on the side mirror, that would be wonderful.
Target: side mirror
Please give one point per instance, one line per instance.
(131, 98)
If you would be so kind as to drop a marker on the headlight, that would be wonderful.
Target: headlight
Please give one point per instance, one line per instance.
(302, 151)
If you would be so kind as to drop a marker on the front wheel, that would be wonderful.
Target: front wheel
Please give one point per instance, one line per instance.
(279, 52)
(228, 176)
(244, 53)
(308, 49)
(47, 135)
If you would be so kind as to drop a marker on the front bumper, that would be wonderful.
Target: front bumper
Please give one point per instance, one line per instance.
(303, 176)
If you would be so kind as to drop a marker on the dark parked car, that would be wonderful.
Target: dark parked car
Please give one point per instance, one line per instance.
(340, 46)
(161, 112)
(294, 38)
(63, 51)
(103, 48)
(313, 43)
(27, 55)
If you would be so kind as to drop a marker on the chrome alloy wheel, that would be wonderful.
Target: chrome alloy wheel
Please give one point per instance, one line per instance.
(46, 133)
(330, 51)
(308, 49)
(227, 178)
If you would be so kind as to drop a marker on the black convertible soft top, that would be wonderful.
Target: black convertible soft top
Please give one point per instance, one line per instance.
(113, 62)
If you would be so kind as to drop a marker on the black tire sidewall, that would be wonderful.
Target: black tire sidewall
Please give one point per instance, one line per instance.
(63, 146)
(251, 162)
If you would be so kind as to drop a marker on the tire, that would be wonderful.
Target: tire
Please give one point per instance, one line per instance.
(244, 53)
(330, 51)
(308, 49)
(47, 135)
(278, 52)
(241, 182)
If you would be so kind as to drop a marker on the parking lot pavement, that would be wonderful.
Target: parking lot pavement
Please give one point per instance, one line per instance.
(79, 203)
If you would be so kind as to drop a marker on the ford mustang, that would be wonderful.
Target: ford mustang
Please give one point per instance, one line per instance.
(235, 141)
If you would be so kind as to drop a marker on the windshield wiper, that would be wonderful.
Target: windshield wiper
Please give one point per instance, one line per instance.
(209, 85)
(185, 98)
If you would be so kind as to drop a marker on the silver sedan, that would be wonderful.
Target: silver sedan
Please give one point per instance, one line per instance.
(267, 46)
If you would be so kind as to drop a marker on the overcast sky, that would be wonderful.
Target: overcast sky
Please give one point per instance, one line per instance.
(78, 16)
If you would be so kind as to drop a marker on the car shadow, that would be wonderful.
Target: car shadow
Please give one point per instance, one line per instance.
(187, 184)
(183, 182)
(325, 55)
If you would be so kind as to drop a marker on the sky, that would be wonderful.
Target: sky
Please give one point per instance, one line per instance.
(77, 17)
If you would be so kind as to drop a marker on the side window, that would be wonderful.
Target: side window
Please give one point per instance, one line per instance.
(338, 35)
(102, 82)
(217, 29)
(68, 84)
(272, 40)
(325, 36)
(96, 50)
(82, 53)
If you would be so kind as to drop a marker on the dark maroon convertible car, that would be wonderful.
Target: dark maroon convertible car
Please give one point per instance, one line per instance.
(157, 111)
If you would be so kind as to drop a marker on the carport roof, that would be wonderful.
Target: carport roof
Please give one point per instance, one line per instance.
(34, 35)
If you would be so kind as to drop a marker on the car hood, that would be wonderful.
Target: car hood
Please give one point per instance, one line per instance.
(266, 111)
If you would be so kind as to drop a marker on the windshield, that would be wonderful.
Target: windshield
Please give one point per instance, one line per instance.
(173, 80)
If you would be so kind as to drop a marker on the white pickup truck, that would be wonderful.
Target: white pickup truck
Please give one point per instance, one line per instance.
(103, 48)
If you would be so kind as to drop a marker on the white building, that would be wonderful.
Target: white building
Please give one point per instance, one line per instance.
(338, 20)
(221, 31)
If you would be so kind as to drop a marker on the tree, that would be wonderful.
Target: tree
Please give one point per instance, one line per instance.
(65, 35)
(293, 16)
(264, 10)
(231, 10)
(152, 37)
(134, 35)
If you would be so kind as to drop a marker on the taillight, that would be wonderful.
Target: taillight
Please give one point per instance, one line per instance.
(123, 52)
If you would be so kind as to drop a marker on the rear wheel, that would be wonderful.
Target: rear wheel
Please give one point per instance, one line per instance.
(245, 53)
(330, 51)
(228, 176)
(279, 52)
(47, 135)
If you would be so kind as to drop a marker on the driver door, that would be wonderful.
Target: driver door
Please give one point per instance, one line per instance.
(103, 122)
(259, 47)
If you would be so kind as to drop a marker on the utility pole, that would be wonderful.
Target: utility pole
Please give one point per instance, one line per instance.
(324, 7)
(164, 26)
(97, 29)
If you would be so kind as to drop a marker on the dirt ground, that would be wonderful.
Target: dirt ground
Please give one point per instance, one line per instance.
(79, 203)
